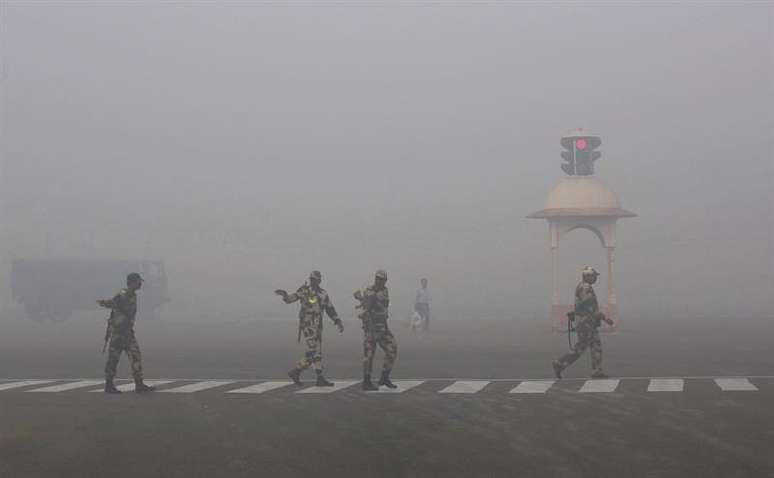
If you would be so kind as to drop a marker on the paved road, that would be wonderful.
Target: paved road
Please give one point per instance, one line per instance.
(641, 427)
(697, 423)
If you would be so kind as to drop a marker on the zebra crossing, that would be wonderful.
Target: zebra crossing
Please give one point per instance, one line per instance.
(533, 386)
(599, 386)
(666, 385)
(441, 386)
(198, 386)
(465, 386)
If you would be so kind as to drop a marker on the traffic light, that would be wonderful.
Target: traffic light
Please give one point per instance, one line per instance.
(585, 154)
(580, 154)
(569, 156)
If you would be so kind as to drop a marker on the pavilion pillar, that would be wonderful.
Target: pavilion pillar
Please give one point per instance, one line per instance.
(612, 300)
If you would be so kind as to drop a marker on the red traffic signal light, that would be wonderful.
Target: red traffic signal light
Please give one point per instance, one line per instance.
(580, 153)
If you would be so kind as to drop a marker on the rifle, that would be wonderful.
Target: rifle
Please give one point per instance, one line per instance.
(300, 320)
(108, 331)
(570, 328)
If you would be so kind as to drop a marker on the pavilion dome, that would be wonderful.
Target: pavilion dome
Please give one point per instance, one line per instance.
(582, 196)
(581, 192)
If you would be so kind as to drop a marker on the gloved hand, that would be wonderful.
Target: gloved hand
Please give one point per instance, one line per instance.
(281, 293)
(339, 325)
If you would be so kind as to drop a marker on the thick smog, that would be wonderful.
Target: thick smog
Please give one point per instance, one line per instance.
(386, 239)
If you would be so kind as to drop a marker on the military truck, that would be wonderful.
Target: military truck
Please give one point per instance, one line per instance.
(52, 289)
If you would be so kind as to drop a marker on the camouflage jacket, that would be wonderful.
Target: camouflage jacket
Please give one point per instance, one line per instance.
(585, 301)
(313, 303)
(376, 304)
(123, 311)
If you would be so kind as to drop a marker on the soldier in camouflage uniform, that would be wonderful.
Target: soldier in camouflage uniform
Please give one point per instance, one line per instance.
(121, 334)
(587, 321)
(374, 302)
(314, 300)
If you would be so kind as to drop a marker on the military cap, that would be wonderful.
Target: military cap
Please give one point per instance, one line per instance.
(133, 277)
(315, 275)
(589, 271)
(381, 274)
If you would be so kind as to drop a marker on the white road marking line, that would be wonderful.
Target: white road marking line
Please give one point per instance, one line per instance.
(533, 386)
(338, 385)
(198, 386)
(735, 385)
(25, 383)
(599, 386)
(461, 386)
(403, 385)
(260, 387)
(666, 385)
(129, 387)
(67, 386)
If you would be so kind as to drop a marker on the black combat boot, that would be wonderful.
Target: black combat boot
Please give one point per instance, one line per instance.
(295, 375)
(322, 381)
(368, 386)
(139, 386)
(109, 387)
(599, 374)
(385, 380)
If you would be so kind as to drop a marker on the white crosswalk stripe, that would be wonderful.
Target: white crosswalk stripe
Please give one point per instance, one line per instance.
(451, 386)
(533, 386)
(197, 386)
(261, 387)
(735, 385)
(599, 386)
(666, 385)
(403, 385)
(129, 387)
(338, 385)
(67, 386)
(23, 383)
(461, 386)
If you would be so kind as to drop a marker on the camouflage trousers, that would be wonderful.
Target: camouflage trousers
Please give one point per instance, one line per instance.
(313, 356)
(381, 336)
(124, 343)
(588, 338)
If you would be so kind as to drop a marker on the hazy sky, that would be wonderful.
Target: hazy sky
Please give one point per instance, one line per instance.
(249, 143)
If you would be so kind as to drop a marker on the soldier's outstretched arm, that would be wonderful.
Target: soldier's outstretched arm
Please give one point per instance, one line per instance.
(287, 298)
(113, 303)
